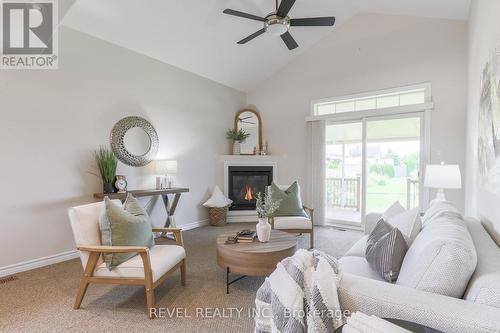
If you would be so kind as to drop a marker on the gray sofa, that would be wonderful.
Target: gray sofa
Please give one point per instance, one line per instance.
(456, 290)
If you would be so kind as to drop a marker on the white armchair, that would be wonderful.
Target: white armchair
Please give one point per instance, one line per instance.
(296, 224)
(149, 267)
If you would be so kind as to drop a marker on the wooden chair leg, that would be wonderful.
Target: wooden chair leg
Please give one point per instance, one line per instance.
(150, 299)
(183, 272)
(81, 292)
(148, 284)
(84, 282)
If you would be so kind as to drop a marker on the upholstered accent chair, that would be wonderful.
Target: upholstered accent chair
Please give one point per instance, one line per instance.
(149, 267)
(295, 224)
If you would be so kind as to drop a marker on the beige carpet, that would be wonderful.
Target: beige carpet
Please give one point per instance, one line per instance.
(41, 300)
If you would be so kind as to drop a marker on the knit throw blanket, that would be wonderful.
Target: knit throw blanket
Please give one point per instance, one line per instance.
(300, 295)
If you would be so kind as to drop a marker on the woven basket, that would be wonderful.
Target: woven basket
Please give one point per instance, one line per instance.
(217, 216)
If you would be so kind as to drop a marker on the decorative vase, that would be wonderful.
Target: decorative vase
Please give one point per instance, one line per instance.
(236, 148)
(108, 188)
(263, 230)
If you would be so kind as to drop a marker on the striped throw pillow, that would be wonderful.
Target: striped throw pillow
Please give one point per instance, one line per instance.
(385, 250)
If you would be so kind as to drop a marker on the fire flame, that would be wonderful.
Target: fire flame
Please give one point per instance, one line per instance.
(248, 193)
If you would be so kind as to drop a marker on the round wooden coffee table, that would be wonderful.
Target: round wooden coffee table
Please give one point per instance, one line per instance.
(256, 258)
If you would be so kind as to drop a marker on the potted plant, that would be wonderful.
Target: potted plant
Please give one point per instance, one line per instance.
(106, 161)
(238, 137)
(265, 206)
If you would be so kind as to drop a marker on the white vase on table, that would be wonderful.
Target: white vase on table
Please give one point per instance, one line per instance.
(263, 230)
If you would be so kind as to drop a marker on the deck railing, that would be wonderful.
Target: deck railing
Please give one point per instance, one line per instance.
(412, 194)
(346, 192)
(343, 192)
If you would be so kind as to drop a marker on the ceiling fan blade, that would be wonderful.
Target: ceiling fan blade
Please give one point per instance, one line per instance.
(289, 41)
(252, 36)
(245, 15)
(313, 22)
(285, 7)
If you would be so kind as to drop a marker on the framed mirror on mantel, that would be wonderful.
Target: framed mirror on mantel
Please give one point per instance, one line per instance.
(249, 121)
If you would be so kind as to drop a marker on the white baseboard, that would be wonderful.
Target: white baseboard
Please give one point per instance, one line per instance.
(37, 263)
(193, 225)
(64, 256)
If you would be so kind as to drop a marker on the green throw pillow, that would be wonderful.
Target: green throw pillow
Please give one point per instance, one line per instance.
(291, 203)
(129, 225)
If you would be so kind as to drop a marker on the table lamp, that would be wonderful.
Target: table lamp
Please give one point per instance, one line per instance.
(442, 176)
(167, 168)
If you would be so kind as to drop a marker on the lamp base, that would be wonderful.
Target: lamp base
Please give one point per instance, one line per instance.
(440, 195)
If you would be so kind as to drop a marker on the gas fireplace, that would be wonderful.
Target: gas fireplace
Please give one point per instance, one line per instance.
(245, 182)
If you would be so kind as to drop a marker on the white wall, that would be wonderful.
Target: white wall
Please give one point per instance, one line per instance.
(51, 121)
(484, 36)
(370, 52)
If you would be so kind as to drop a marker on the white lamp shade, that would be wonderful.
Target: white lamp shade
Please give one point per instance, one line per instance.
(166, 167)
(443, 176)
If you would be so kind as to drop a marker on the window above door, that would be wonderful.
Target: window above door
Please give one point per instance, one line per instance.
(383, 99)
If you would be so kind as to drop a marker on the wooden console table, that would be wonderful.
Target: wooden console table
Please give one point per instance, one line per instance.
(169, 206)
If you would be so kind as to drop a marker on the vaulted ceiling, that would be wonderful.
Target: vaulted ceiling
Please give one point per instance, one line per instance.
(194, 34)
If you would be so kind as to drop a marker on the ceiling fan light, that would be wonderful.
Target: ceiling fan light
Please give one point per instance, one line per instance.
(276, 25)
(277, 29)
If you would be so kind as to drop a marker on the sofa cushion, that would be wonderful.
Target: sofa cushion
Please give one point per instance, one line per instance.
(393, 210)
(484, 285)
(408, 222)
(439, 209)
(385, 250)
(359, 248)
(162, 257)
(359, 266)
(441, 259)
(292, 222)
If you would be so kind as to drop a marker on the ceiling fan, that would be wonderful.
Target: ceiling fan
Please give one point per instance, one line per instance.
(278, 23)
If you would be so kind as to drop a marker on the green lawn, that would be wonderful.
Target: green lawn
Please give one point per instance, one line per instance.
(380, 195)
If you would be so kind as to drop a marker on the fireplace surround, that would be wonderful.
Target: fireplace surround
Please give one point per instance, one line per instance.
(247, 161)
(244, 182)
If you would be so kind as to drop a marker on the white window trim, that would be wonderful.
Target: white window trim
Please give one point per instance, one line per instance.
(428, 105)
(373, 112)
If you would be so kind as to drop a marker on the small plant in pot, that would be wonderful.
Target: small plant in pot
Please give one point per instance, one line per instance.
(106, 161)
(238, 137)
(265, 207)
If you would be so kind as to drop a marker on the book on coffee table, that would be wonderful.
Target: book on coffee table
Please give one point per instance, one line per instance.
(246, 236)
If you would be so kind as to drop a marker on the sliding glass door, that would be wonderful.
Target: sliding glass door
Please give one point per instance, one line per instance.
(393, 149)
(344, 168)
(371, 163)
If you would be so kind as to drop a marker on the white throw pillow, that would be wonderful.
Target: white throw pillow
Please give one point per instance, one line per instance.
(395, 209)
(408, 222)
(218, 199)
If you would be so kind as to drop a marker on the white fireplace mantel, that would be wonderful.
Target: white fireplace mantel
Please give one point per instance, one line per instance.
(246, 160)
